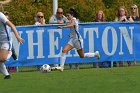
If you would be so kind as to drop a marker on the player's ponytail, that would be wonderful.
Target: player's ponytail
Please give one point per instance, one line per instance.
(75, 13)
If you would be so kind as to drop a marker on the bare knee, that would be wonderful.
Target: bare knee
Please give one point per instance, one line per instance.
(64, 51)
(3, 59)
(3, 55)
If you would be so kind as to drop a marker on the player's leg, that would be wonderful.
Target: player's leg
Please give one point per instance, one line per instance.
(82, 54)
(4, 71)
(95, 54)
(79, 46)
(5, 54)
(67, 48)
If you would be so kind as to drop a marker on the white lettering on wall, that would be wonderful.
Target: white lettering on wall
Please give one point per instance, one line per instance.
(105, 40)
(31, 44)
(54, 43)
(128, 39)
(90, 36)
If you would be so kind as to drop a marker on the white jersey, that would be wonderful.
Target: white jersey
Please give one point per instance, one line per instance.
(54, 19)
(4, 31)
(74, 33)
(37, 23)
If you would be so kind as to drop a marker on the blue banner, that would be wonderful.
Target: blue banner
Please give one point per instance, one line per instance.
(43, 44)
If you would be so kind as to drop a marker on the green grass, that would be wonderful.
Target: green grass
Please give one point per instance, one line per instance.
(93, 80)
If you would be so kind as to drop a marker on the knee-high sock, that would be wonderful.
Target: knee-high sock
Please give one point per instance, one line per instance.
(89, 54)
(62, 59)
(3, 69)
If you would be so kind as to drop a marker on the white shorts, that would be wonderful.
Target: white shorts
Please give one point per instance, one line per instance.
(78, 44)
(6, 45)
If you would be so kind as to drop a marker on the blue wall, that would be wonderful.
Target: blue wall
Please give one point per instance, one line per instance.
(43, 44)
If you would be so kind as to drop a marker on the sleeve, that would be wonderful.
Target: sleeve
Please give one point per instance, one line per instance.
(3, 18)
(37, 23)
(65, 19)
(53, 20)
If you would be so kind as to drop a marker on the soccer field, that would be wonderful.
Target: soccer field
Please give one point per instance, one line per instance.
(93, 80)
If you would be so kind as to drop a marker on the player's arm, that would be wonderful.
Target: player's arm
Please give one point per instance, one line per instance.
(10, 24)
(68, 26)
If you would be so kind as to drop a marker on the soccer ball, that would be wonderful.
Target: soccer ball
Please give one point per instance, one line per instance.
(45, 68)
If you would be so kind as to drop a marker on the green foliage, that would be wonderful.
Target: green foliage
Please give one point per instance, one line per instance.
(109, 3)
(22, 12)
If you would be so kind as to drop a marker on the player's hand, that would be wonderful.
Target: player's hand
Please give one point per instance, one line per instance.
(20, 40)
(60, 26)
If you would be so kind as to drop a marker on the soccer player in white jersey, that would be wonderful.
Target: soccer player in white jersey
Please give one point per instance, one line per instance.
(75, 41)
(5, 44)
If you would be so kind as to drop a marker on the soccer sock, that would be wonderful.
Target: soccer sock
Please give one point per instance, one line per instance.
(62, 60)
(3, 69)
(89, 54)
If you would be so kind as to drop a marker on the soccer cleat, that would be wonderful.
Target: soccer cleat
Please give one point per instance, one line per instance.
(97, 54)
(60, 68)
(14, 55)
(7, 77)
(53, 68)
